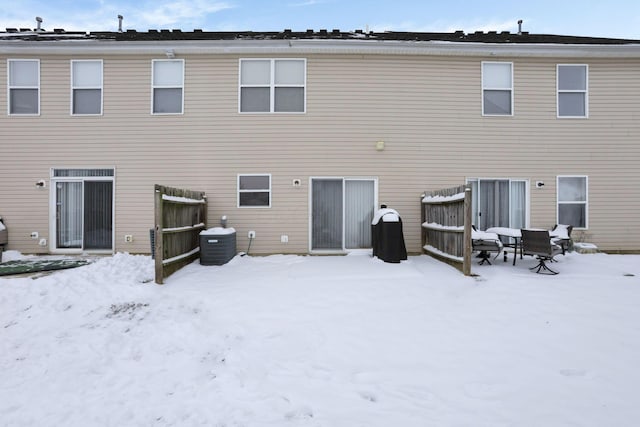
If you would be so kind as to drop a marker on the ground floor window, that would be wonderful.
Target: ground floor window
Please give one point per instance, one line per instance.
(499, 202)
(254, 191)
(572, 201)
(82, 209)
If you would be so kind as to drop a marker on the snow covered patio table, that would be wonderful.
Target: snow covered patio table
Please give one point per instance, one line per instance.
(323, 341)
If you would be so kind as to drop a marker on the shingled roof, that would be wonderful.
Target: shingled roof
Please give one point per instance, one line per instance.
(503, 37)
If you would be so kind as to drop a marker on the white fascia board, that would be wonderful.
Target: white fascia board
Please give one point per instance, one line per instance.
(312, 46)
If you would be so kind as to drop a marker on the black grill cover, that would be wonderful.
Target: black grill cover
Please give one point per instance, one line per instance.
(386, 236)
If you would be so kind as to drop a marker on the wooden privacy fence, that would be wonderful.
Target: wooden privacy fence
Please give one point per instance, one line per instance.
(446, 226)
(180, 215)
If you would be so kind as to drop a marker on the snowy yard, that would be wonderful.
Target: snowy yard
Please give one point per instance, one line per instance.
(323, 341)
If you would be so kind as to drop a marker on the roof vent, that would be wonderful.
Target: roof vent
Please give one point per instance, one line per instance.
(120, 18)
(39, 23)
(519, 27)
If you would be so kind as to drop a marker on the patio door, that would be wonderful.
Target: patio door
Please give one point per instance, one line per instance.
(499, 203)
(341, 213)
(82, 212)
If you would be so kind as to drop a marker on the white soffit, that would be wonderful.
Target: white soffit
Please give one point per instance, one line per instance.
(315, 46)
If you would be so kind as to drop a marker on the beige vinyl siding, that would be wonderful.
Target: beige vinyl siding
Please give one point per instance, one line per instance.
(427, 110)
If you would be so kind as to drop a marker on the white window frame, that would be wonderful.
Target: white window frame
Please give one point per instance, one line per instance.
(510, 89)
(585, 203)
(9, 87)
(153, 86)
(585, 91)
(272, 86)
(101, 87)
(254, 191)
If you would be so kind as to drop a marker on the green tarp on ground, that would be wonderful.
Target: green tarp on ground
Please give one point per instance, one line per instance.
(27, 266)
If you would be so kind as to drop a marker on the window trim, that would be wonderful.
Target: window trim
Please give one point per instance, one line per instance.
(585, 203)
(88, 87)
(9, 87)
(585, 91)
(269, 190)
(153, 86)
(272, 86)
(511, 89)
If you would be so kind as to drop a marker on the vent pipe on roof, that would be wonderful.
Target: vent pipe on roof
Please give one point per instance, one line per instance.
(38, 23)
(120, 18)
(519, 27)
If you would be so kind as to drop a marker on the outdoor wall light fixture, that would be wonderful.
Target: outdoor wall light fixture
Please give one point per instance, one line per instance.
(539, 184)
(380, 145)
(41, 184)
(170, 53)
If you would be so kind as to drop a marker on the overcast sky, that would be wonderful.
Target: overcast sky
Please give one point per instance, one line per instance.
(613, 18)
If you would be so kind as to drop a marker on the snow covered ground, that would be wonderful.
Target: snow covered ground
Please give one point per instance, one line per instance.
(323, 341)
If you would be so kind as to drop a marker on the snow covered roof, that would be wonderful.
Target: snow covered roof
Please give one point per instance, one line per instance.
(153, 41)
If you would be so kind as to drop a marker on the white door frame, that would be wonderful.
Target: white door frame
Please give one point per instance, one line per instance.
(342, 250)
(52, 211)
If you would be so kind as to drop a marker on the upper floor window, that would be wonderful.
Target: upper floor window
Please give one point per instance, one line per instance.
(24, 86)
(273, 85)
(168, 84)
(86, 87)
(254, 191)
(572, 201)
(572, 81)
(497, 89)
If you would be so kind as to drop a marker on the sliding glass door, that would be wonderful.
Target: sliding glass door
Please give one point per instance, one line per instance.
(82, 210)
(98, 213)
(69, 215)
(499, 203)
(341, 213)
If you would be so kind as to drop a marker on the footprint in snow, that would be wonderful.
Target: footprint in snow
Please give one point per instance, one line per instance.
(573, 372)
(371, 397)
(300, 413)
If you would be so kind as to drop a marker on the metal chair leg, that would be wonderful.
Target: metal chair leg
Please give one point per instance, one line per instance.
(543, 266)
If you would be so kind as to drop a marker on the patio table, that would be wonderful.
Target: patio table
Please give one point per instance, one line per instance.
(513, 233)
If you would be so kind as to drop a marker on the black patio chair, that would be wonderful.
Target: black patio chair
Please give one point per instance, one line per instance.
(484, 243)
(558, 233)
(538, 243)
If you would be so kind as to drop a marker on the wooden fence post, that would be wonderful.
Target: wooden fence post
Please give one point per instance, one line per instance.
(157, 229)
(466, 263)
